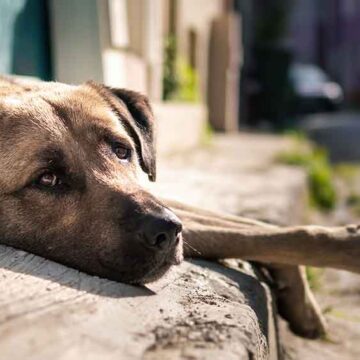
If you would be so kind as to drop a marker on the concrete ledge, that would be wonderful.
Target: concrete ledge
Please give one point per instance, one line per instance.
(180, 126)
(200, 310)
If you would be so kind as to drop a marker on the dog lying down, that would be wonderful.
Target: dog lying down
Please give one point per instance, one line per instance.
(69, 156)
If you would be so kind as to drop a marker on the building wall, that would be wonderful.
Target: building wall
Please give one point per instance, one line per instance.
(117, 42)
(120, 42)
(76, 41)
(197, 15)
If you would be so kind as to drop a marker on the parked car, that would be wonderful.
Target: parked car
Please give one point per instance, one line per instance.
(313, 90)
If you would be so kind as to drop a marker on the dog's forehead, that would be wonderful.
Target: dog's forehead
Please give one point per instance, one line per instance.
(31, 122)
(60, 109)
(81, 108)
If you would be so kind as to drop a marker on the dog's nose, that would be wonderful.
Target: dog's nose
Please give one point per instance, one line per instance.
(161, 231)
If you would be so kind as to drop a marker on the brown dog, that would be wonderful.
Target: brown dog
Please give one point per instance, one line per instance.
(68, 189)
(69, 192)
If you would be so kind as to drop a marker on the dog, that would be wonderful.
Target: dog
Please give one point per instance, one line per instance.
(69, 191)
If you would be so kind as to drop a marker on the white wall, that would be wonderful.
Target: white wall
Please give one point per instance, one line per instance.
(116, 42)
(76, 47)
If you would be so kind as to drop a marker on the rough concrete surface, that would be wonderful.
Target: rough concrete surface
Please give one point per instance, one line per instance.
(200, 310)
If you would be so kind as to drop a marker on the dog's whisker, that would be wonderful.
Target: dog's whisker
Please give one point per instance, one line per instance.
(191, 247)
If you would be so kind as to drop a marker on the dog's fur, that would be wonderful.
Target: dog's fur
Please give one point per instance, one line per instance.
(90, 222)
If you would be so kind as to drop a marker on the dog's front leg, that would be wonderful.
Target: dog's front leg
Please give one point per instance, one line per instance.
(217, 236)
(306, 245)
(212, 235)
(296, 302)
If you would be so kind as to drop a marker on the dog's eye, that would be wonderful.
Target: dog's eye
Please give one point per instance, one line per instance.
(48, 180)
(122, 152)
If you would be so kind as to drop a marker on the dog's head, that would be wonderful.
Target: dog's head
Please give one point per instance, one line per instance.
(69, 158)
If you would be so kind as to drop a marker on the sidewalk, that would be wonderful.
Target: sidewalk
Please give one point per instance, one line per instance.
(236, 174)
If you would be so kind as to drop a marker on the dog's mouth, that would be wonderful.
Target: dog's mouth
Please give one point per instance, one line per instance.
(158, 270)
(176, 256)
(146, 269)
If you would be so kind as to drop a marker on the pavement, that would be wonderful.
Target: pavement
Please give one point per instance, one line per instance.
(237, 174)
(337, 132)
(199, 310)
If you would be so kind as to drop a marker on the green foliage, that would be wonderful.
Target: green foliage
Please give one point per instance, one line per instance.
(314, 276)
(349, 174)
(180, 81)
(353, 202)
(340, 314)
(320, 174)
(207, 135)
(321, 181)
(170, 79)
(188, 83)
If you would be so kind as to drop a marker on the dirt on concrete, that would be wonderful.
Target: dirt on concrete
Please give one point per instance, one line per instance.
(211, 329)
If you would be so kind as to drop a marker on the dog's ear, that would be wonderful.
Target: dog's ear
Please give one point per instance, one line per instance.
(140, 125)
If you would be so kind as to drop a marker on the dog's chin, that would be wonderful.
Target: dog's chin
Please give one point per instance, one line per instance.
(159, 270)
(146, 271)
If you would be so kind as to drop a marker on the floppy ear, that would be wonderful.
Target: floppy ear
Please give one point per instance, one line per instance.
(140, 125)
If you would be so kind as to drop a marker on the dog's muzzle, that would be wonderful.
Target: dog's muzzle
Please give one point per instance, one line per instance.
(160, 232)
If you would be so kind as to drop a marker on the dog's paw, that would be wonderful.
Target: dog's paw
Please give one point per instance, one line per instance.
(296, 302)
(353, 229)
(308, 322)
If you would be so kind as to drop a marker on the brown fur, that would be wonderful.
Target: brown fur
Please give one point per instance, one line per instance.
(92, 224)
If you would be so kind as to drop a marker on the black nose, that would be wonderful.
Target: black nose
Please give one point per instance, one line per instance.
(161, 231)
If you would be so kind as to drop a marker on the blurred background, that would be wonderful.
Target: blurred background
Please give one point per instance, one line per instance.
(234, 64)
(250, 87)
(246, 63)
(260, 64)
